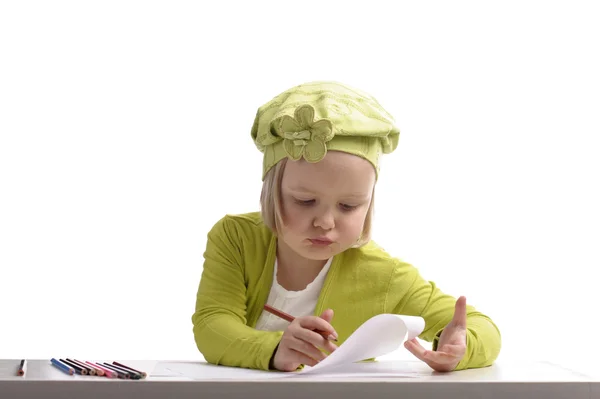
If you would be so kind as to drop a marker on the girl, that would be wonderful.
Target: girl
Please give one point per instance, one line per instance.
(308, 251)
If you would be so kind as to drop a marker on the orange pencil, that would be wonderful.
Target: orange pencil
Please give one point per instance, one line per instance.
(290, 318)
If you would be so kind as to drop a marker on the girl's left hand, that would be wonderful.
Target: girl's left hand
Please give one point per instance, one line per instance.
(452, 344)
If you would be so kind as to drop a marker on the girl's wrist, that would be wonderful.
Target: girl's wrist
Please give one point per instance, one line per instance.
(272, 360)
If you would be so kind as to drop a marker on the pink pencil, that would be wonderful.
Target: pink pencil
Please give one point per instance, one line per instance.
(107, 373)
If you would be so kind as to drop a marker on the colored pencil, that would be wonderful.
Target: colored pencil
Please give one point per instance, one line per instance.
(62, 366)
(90, 371)
(133, 374)
(143, 373)
(290, 318)
(99, 372)
(120, 374)
(22, 368)
(126, 373)
(78, 369)
(107, 373)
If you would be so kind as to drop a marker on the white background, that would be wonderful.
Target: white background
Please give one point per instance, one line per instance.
(125, 134)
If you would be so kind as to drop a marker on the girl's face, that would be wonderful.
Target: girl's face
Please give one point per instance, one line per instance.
(324, 204)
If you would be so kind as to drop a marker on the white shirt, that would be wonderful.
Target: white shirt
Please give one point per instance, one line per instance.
(295, 303)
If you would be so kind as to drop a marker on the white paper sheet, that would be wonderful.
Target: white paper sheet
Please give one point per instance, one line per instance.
(202, 371)
(377, 336)
(395, 369)
(206, 371)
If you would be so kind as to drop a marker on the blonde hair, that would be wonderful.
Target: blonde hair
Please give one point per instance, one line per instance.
(270, 204)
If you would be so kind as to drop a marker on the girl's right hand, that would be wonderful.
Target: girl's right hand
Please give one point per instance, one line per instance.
(300, 344)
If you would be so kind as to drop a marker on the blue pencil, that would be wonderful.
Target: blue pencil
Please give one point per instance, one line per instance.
(62, 366)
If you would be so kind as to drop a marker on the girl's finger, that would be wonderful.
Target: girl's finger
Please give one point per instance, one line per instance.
(416, 349)
(329, 346)
(317, 323)
(307, 349)
(436, 360)
(460, 313)
(315, 339)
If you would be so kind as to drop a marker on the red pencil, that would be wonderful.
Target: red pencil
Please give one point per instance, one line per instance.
(290, 318)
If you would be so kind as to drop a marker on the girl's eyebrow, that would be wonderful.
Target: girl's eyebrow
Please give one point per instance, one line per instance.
(359, 196)
(303, 189)
(355, 195)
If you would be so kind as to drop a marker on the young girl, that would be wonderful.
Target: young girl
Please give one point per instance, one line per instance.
(309, 253)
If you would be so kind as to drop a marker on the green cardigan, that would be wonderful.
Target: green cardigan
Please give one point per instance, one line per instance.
(361, 283)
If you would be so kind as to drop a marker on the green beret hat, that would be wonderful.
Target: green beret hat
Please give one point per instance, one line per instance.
(312, 118)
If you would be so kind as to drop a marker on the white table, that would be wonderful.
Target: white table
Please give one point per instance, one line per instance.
(393, 379)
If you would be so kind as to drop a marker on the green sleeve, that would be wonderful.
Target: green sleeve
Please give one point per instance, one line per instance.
(220, 326)
(410, 294)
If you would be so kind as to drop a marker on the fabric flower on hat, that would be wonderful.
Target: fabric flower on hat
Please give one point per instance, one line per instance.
(303, 136)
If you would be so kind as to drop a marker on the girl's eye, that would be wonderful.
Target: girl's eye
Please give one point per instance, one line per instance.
(347, 207)
(305, 202)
